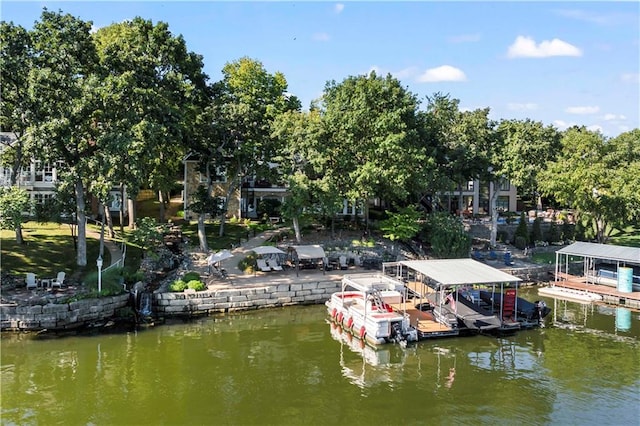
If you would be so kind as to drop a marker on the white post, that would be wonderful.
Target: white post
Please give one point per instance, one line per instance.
(99, 264)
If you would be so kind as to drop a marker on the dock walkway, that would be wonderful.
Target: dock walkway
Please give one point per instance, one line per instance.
(609, 294)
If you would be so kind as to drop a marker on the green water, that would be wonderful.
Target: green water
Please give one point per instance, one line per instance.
(288, 366)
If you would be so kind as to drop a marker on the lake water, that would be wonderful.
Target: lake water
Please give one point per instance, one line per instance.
(290, 366)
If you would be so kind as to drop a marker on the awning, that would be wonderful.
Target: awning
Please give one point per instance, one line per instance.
(267, 250)
(459, 271)
(309, 252)
(602, 251)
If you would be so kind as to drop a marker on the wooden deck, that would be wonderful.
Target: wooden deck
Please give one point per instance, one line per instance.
(610, 295)
(422, 321)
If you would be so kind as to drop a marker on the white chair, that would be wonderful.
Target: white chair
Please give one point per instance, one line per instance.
(31, 281)
(343, 262)
(262, 264)
(273, 264)
(58, 281)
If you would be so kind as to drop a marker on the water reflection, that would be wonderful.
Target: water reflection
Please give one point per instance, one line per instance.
(289, 366)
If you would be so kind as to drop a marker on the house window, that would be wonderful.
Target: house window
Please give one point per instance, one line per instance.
(469, 186)
(41, 197)
(218, 175)
(502, 203)
(505, 185)
(44, 172)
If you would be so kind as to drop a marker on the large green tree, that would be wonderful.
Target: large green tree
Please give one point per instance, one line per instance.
(14, 202)
(153, 90)
(372, 137)
(249, 98)
(64, 80)
(527, 148)
(585, 177)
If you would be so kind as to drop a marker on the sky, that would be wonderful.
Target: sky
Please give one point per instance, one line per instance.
(560, 63)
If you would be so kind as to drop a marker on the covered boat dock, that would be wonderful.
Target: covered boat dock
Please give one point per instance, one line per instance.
(610, 271)
(433, 281)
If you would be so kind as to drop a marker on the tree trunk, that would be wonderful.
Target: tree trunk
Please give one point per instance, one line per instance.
(82, 224)
(296, 228)
(107, 217)
(121, 209)
(202, 235)
(161, 200)
(494, 213)
(231, 190)
(132, 213)
(19, 238)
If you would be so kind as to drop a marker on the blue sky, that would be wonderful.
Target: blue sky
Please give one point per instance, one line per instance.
(561, 63)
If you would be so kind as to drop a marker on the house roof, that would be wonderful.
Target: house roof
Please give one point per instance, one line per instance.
(459, 271)
(602, 251)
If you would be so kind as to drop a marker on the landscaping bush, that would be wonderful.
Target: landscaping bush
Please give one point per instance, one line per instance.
(522, 230)
(567, 232)
(520, 243)
(553, 235)
(191, 276)
(536, 231)
(248, 264)
(196, 285)
(502, 236)
(177, 286)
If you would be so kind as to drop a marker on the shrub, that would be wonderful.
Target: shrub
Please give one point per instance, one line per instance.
(520, 243)
(177, 286)
(196, 285)
(521, 230)
(536, 231)
(568, 232)
(447, 236)
(190, 276)
(248, 264)
(554, 234)
(502, 236)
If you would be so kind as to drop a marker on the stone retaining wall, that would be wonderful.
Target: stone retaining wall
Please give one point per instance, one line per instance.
(242, 299)
(59, 316)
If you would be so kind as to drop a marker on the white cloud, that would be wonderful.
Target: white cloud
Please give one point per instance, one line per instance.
(623, 129)
(595, 128)
(442, 73)
(339, 7)
(562, 125)
(529, 106)
(582, 109)
(630, 77)
(526, 47)
(465, 38)
(321, 37)
(613, 117)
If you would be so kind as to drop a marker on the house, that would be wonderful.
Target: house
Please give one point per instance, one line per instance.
(39, 178)
(476, 197)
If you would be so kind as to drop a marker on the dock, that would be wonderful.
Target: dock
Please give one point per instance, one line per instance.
(609, 294)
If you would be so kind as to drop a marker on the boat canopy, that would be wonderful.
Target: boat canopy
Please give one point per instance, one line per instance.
(459, 271)
(602, 251)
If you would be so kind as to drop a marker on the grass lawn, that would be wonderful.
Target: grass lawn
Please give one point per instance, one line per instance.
(47, 249)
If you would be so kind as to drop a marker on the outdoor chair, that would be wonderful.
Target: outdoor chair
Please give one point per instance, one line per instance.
(58, 281)
(262, 265)
(492, 255)
(31, 281)
(343, 262)
(273, 264)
